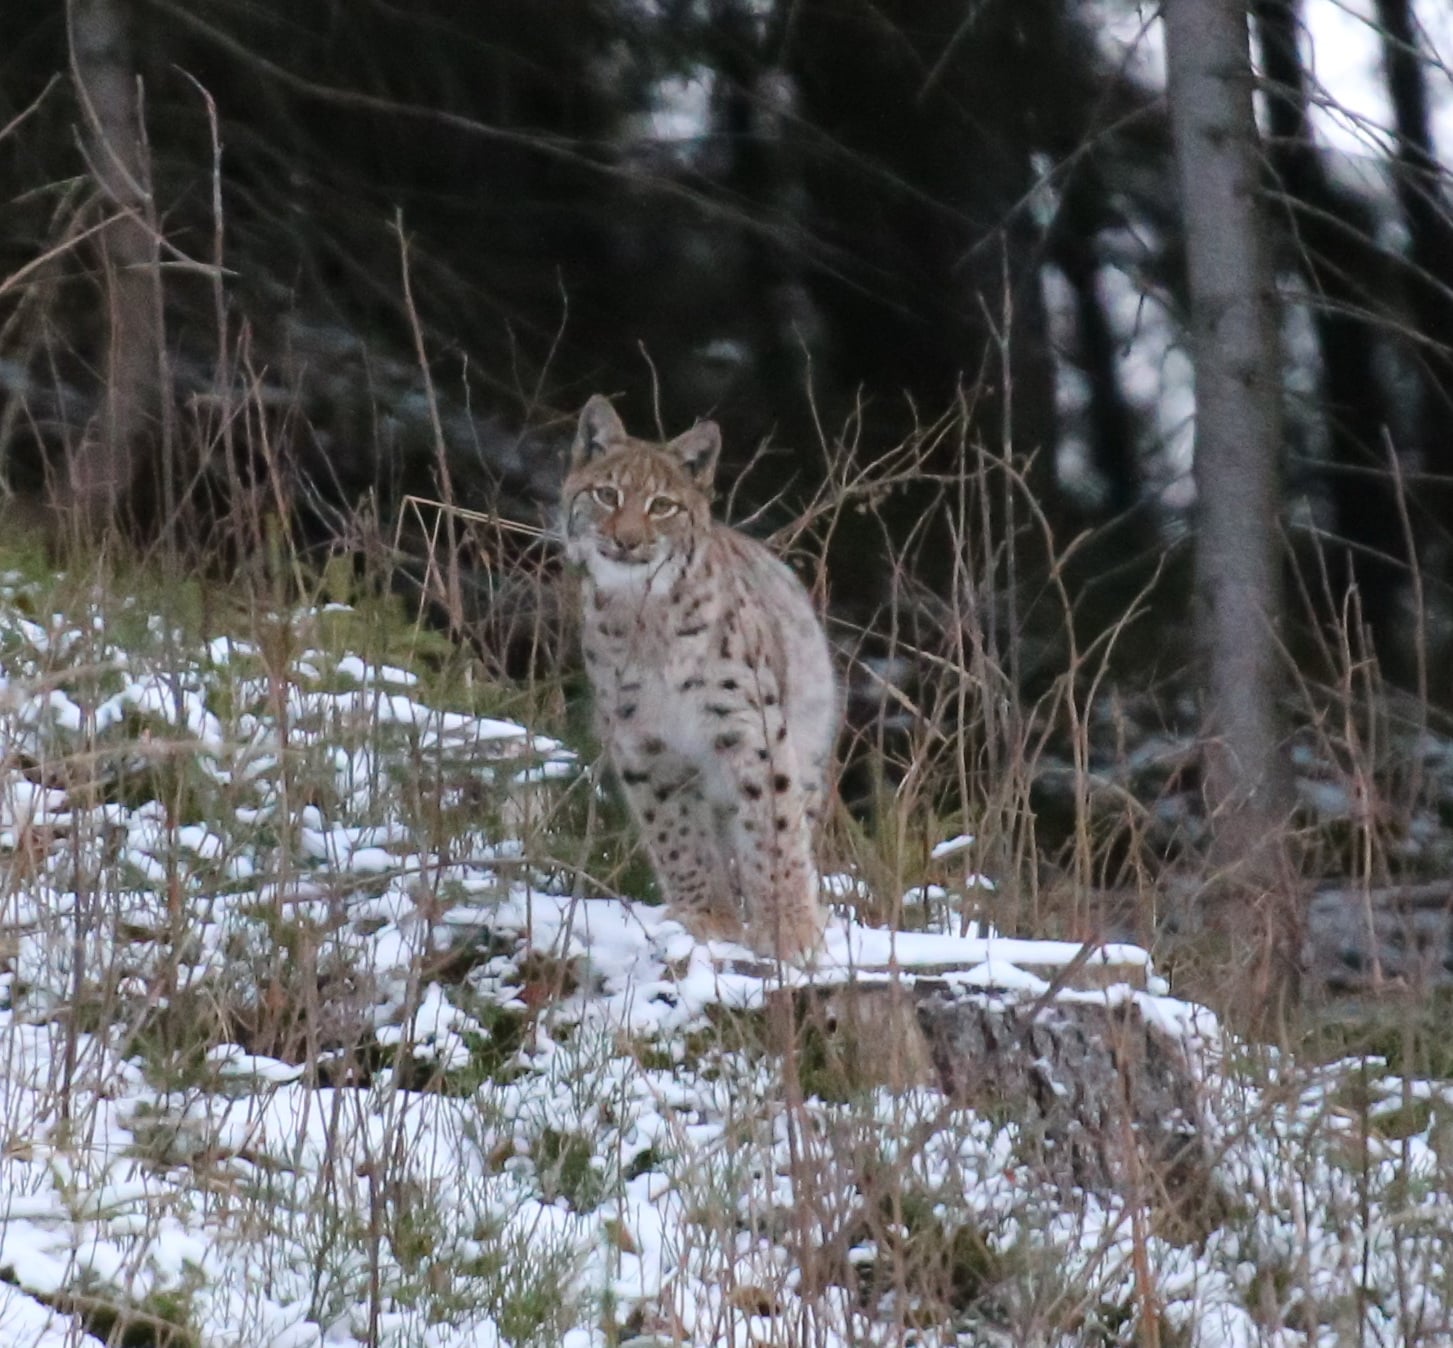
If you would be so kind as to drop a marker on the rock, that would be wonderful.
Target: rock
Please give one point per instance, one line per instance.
(1373, 941)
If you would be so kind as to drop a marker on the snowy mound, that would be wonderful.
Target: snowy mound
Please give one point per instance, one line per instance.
(308, 1037)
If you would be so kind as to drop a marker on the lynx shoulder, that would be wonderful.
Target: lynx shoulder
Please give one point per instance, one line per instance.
(713, 685)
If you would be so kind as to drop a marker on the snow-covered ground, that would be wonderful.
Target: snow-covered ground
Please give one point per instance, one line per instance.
(308, 1036)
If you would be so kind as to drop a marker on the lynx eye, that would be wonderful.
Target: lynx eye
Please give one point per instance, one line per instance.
(662, 507)
(609, 497)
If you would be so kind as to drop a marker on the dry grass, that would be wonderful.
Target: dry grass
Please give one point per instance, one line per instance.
(1012, 702)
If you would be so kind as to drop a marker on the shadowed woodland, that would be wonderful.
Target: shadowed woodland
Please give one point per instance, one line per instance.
(268, 269)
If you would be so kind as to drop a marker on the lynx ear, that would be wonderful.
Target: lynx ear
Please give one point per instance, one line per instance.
(600, 430)
(697, 449)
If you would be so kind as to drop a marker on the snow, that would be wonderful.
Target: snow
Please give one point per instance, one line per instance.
(854, 946)
(359, 1066)
(951, 845)
(300, 1045)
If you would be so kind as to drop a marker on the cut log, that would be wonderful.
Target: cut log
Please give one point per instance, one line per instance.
(1103, 1095)
(1104, 1098)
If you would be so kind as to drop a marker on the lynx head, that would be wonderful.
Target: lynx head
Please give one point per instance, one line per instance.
(634, 508)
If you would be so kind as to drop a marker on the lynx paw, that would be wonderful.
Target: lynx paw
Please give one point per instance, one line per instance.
(711, 924)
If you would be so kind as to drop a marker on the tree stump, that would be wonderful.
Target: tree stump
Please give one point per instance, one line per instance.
(1105, 1099)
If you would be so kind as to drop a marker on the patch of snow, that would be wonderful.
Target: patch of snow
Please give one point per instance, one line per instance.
(596, 1147)
(351, 667)
(951, 845)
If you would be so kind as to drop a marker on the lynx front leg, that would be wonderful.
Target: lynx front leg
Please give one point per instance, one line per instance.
(678, 829)
(770, 836)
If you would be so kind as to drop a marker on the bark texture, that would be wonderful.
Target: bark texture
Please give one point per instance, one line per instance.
(1104, 1099)
(1234, 346)
(104, 466)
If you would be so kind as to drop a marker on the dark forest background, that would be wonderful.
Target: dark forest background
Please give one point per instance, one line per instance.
(838, 248)
(858, 231)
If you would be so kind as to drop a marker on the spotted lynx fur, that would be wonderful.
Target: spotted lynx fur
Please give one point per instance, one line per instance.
(713, 686)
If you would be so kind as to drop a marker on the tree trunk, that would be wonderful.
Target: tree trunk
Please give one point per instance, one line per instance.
(1428, 215)
(1113, 428)
(103, 468)
(1234, 346)
(1349, 281)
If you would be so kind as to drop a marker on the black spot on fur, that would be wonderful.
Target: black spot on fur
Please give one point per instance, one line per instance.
(781, 782)
(781, 733)
(728, 685)
(626, 710)
(651, 745)
(663, 794)
(633, 777)
(691, 630)
(649, 816)
(728, 741)
(751, 790)
(716, 709)
(770, 700)
(695, 681)
(781, 822)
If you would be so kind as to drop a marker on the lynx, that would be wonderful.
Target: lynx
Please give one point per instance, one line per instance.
(714, 690)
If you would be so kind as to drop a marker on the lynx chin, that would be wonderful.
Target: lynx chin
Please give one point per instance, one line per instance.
(714, 689)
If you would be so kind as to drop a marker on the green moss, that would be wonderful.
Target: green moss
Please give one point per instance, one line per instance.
(565, 1165)
(493, 1055)
(951, 1258)
(172, 1040)
(520, 1283)
(160, 1320)
(644, 1162)
(1400, 1038)
(592, 831)
(936, 1268)
(154, 761)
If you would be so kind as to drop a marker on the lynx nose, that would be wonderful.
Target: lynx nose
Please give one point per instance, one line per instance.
(629, 531)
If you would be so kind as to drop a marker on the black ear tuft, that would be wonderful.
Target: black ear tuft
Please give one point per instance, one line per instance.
(600, 429)
(698, 449)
